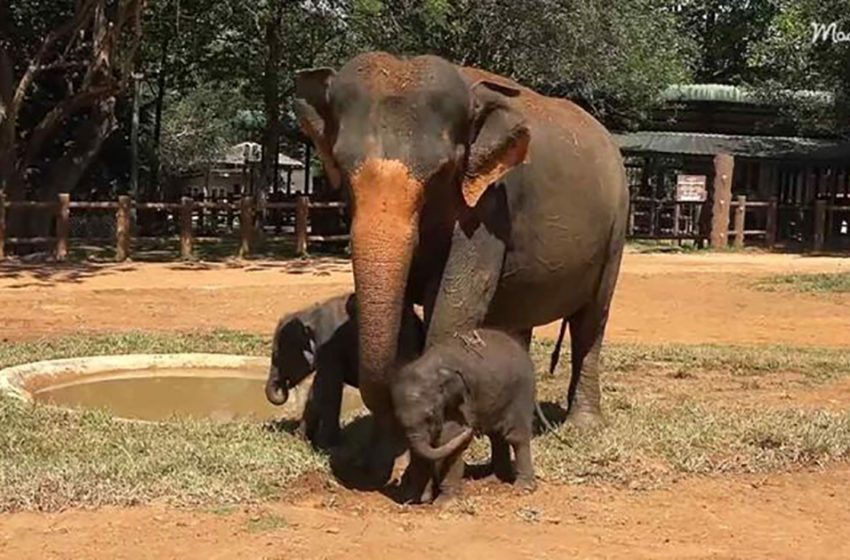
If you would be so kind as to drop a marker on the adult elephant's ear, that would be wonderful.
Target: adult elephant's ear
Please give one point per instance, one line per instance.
(312, 107)
(500, 140)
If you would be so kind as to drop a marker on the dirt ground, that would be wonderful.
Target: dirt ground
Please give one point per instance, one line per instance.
(662, 298)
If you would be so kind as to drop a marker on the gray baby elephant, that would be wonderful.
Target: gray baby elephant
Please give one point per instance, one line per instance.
(323, 338)
(481, 382)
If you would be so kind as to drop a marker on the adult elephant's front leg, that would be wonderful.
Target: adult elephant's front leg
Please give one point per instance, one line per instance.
(472, 271)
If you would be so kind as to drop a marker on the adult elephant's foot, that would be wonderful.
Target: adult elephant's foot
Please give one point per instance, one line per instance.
(382, 453)
(525, 485)
(585, 419)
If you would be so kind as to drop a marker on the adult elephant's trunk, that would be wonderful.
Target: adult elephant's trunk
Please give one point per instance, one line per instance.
(424, 449)
(384, 235)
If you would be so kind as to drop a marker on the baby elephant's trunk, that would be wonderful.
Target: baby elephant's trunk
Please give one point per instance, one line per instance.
(275, 392)
(431, 453)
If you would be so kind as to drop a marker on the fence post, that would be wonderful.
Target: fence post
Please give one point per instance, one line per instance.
(2, 225)
(677, 216)
(724, 168)
(185, 228)
(122, 229)
(820, 225)
(246, 225)
(740, 220)
(63, 226)
(302, 217)
(771, 222)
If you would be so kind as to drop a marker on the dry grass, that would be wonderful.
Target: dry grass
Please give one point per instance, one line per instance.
(838, 282)
(52, 459)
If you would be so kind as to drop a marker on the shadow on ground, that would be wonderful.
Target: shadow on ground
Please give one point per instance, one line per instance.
(348, 461)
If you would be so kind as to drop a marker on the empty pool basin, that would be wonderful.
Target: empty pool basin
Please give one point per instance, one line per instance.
(159, 387)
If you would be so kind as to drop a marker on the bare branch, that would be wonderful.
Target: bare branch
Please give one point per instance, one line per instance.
(51, 122)
(71, 26)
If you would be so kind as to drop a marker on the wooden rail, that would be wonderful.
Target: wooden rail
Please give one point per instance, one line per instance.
(123, 209)
(739, 233)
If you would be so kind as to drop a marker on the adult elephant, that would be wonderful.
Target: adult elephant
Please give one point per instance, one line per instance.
(480, 199)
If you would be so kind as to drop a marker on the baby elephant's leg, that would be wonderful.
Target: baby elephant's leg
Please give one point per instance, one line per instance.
(501, 458)
(330, 386)
(524, 466)
(310, 417)
(450, 469)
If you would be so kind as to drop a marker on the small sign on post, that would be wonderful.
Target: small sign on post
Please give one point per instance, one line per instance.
(691, 188)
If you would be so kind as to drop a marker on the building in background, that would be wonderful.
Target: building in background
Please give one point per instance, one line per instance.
(238, 171)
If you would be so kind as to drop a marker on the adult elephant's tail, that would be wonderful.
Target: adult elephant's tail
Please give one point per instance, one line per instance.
(556, 353)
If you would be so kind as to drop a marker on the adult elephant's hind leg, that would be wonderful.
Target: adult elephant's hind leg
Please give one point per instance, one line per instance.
(587, 330)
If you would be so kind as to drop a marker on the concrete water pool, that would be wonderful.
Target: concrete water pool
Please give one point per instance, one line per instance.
(159, 387)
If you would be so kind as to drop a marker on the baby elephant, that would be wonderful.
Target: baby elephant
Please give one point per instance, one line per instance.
(323, 338)
(482, 382)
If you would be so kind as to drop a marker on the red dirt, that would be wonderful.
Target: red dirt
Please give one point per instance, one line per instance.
(797, 515)
(662, 298)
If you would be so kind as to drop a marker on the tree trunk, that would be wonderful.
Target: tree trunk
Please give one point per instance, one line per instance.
(271, 97)
(161, 83)
(66, 172)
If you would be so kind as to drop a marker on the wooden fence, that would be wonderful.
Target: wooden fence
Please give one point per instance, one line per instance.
(186, 208)
(764, 221)
(666, 220)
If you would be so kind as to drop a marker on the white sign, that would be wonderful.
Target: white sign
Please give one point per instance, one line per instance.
(691, 188)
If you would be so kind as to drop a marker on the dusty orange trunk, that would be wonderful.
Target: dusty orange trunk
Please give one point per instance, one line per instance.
(384, 232)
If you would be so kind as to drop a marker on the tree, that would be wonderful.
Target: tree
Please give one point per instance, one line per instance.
(62, 70)
(798, 52)
(612, 57)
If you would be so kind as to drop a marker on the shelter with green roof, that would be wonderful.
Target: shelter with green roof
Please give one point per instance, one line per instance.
(709, 144)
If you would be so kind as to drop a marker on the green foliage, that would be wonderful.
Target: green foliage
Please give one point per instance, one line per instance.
(614, 59)
(787, 59)
(199, 126)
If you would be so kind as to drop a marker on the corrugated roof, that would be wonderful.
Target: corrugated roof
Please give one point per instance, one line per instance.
(693, 143)
(838, 152)
(723, 93)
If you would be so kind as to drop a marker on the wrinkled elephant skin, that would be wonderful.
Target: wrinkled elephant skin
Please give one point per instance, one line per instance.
(484, 201)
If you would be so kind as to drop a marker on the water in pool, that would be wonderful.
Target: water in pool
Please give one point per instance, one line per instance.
(219, 395)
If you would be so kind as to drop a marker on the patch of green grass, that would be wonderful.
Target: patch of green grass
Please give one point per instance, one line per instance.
(266, 522)
(820, 283)
(816, 363)
(647, 246)
(52, 459)
(217, 341)
(646, 442)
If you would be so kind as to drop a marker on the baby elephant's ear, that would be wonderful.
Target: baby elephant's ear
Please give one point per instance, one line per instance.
(309, 351)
